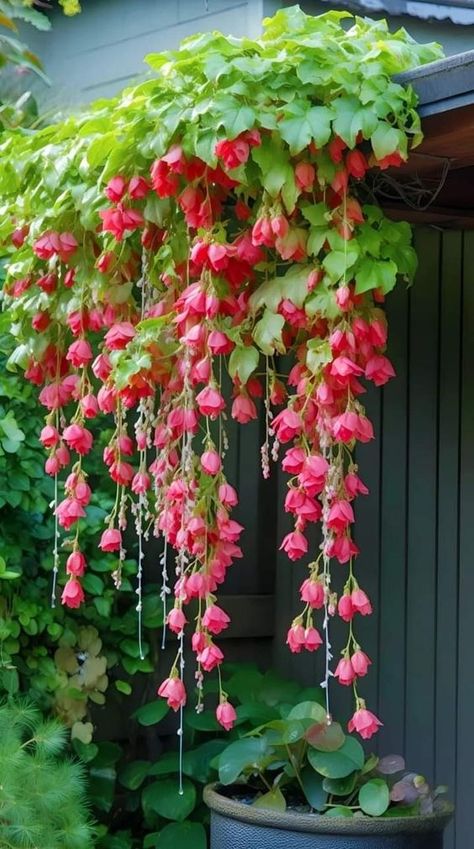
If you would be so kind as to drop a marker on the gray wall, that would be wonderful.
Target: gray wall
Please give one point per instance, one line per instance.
(415, 531)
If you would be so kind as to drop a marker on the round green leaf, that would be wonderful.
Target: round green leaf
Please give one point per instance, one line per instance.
(182, 835)
(274, 800)
(339, 811)
(338, 764)
(341, 786)
(243, 754)
(314, 791)
(163, 798)
(152, 712)
(133, 774)
(308, 710)
(326, 738)
(374, 797)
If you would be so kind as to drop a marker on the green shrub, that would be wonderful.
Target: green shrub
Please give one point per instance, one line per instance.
(42, 802)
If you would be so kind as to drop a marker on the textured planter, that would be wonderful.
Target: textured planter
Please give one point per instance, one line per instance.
(235, 825)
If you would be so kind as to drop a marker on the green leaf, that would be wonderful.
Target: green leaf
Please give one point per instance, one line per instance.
(385, 140)
(284, 732)
(337, 263)
(274, 800)
(292, 286)
(243, 361)
(305, 124)
(317, 214)
(163, 798)
(338, 764)
(308, 710)
(233, 115)
(274, 164)
(374, 797)
(123, 687)
(318, 354)
(86, 751)
(93, 584)
(197, 762)
(352, 118)
(314, 791)
(267, 333)
(241, 755)
(166, 764)
(341, 786)
(152, 712)
(133, 774)
(100, 148)
(182, 835)
(339, 811)
(326, 738)
(374, 274)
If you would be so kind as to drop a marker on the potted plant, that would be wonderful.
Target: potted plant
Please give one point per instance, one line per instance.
(299, 781)
(191, 232)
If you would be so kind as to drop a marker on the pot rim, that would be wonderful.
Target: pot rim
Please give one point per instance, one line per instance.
(293, 821)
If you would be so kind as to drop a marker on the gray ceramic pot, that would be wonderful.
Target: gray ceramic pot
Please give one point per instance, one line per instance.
(235, 825)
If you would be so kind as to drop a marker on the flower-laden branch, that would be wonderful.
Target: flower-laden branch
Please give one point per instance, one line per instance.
(204, 224)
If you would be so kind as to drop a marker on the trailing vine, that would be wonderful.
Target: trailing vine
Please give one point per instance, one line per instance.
(212, 219)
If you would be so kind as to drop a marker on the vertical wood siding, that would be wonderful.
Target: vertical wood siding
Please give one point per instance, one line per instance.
(416, 531)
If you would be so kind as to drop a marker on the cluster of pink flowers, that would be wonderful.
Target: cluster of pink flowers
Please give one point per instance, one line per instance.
(172, 467)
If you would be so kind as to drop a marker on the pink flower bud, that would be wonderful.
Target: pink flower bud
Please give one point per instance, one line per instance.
(215, 619)
(176, 620)
(73, 594)
(111, 540)
(360, 663)
(49, 436)
(226, 715)
(211, 462)
(172, 689)
(76, 564)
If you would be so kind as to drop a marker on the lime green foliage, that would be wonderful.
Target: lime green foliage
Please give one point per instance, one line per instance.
(306, 78)
(42, 799)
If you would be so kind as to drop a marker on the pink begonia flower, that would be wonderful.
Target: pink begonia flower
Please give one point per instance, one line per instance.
(243, 409)
(73, 594)
(219, 343)
(296, 638)
(49, 436)
(344, 672)
(211, 462)
(111, 540)
(121, 472)
(119, 335)
(141, 483)
(293, 461)
(361, 602)
(176, 620)
(305, 176)
(116, 188)
(378, 333)
(82, 492)
(312, 592)
(79, 353)
(312, 639)
(78, 438)
(228, 495)
(313, 475)
(69, 512)
(295, 544)
(76, 564)
(365, 723)
(360, 663)
(342, 548)
(172, 689)
(286, 425)
(210, 402)
(197, 585)
(340, 516)
(354, 486)
(198, 641)
(226, 715)
(101, 367)
(343, 298)
(89, 406)
(52, 466)
(344, 367)
(379, 369)
(215, 619)
(345, 607)
(210, 657)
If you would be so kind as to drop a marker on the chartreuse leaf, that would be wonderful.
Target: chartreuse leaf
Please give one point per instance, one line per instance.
(375, 274)
(243, 361)
(318, 354)
(374, 797)
(304, 123)
(339, 811)
(274, 163)
(267, 333)
(274, 800)
(338, 764)
(292, 286)
(351, 118)
(386, 140)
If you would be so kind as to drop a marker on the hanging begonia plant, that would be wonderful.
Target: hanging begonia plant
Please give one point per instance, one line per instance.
(210, 220)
